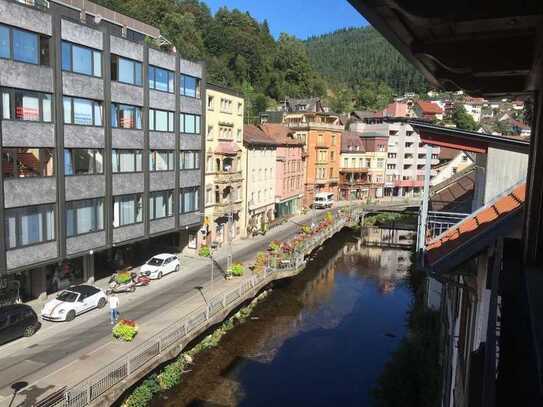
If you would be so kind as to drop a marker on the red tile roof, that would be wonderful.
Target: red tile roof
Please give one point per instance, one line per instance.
(350, 141)
(429, 107)
(254, 135)
(227, 148)
(470, 228)
(282, 135)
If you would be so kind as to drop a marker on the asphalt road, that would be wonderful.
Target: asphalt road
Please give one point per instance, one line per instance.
(57, 344)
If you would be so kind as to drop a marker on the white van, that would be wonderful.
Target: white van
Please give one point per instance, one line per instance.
(323, 200)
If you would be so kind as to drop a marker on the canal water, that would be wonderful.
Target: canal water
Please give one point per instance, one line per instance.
(320, 339)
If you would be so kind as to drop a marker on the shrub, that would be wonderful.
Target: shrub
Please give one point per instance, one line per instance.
(306, 229)
(143, 394)
(123, 278)
(261, 262)
(171, 375)
(329, 216)
(237, 269)
(204, 251)
(125, 330)
(274, 246)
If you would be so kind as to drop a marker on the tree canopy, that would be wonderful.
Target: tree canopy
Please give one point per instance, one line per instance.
(462, 119)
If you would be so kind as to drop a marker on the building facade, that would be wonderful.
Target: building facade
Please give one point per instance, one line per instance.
(260, 156)
(406, 156)
(289, 171)
(353, 171)
(321, 135)
(100, 142)
(224, 179)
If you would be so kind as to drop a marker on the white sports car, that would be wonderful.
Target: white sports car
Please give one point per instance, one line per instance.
(160, 265)
(73, 301)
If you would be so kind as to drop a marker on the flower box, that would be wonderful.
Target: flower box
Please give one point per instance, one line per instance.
(125, 330)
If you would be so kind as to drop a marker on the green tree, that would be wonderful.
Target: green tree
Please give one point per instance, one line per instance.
(342, 101)
(462, 119)
(373, 96)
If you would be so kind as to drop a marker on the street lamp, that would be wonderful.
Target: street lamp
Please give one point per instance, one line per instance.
(227, 168)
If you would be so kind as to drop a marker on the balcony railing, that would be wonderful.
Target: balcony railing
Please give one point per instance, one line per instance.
(39, 4)
(224, 208)
(224, 177)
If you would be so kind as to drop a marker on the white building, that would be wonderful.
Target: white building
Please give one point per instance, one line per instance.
(457, 164)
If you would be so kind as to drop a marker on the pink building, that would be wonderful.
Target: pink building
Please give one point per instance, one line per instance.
(290, 177)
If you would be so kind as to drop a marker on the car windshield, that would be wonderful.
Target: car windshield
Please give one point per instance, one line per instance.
(155, 262)
(319, 199)
(67, 296)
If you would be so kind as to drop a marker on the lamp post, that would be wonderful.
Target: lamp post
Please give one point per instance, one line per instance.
(227, 168)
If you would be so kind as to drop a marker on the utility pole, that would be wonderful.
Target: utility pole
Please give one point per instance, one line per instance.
(230, 221)
(423, 217)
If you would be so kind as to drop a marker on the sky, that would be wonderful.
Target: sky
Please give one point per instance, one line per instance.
(302, 18)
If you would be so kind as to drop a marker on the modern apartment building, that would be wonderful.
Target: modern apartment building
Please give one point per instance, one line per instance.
(321, 135)
(406, 156)
(260, 152)
(100, 142)
(224, 179)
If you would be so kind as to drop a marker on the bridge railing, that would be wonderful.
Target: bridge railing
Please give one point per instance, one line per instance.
(439, 222)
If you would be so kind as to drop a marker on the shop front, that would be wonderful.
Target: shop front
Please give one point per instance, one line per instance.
(288, 207)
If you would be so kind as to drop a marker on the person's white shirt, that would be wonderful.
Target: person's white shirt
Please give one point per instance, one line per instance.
(113, 302)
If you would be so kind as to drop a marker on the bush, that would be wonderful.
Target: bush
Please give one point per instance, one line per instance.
(171, 375)
(125, 330)
(329, 217)
(306, 229)
(123, 278)
(274, 246)
(204, 251)
(143, 394)
(237, 270)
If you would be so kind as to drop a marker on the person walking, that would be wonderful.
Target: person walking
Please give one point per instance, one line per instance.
(114, 308)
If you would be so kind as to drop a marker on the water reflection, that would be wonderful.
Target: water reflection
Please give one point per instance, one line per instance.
(319, 339)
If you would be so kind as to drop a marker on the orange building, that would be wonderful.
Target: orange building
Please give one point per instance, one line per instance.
(321, 135)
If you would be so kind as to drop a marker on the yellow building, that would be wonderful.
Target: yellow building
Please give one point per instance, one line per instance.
(224, 177)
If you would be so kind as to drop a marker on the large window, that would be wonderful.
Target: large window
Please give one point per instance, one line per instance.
(161, 79)
(161, 160)
(189, 160)
(30, 225)
(28, 162)
(189, 123)
(126, 71)
(80, 59)
(125, 116)
(80, 161)
(189, 200)
(190, 86)
(82, 111)
(160, 204)
(23, 46)
(84, 216)
(160, 120)
(26, 105)
(127, 210)
(126, 160)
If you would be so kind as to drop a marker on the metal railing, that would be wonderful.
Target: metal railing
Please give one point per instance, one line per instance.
(439, 222)
(128, 364)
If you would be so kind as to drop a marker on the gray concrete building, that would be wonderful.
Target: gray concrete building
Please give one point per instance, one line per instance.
(100, 142)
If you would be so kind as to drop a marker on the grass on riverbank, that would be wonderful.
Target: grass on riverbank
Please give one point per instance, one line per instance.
(170, 376)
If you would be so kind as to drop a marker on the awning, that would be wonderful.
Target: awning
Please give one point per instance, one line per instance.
(227, 148)
(473, 234)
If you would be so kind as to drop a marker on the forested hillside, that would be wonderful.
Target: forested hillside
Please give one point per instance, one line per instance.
(356, 55)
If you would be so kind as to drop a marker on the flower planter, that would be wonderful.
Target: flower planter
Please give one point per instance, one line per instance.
(125, 330)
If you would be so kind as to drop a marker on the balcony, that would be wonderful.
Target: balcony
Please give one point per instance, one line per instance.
(308, 125)
(225, 177)
(321, 181)
(353, 170)
(224, 208)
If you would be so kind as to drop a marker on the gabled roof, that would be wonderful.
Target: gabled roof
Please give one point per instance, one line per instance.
(454, 194)
(473, 234)
(282, 135)
(429, 107)
(254, 135)
(396, 109)
(304, 105)
(351, 142)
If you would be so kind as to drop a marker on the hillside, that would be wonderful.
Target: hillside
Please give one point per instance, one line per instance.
(352, 56)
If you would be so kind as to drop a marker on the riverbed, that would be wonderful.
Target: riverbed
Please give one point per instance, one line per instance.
(320, 339)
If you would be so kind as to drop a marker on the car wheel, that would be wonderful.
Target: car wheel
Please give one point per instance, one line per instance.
(70, 315)
(101, 303)
(159, 276)
(133, 288)
(177, 268)
(29, 331)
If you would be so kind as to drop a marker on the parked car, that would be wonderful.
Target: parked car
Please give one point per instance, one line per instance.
(17, 320)
(72, 302)
(160, 265)
(323, 200)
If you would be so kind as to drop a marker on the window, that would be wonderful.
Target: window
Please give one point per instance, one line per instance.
(23, 46)
(210, 103)
(391, 166)
(80, 161)
(28, 162)
(161, 160)
(30, 225)
(226, 105)
(189, 123)
(26, 105)
(393, 155)
(84, 216)
(126, 71)
(380, 163)
(189, 160)
(210, 132)
(188, 200)
(82, 111)
(126, 160)
(240, 108)
(161, 79)
(160, 120)
(80, 59)
(345, 163)
(190, 86)
(320, 139)
(127, 210)
(160, 204)
(125, 116)
(238, 137)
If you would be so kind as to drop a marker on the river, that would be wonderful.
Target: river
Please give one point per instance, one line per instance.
(320, 339)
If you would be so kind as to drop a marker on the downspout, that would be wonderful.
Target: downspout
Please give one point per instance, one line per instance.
(246, 189)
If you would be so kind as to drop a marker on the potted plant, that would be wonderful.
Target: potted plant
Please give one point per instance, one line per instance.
(125, 330)
(237, 270)
(204, 251)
